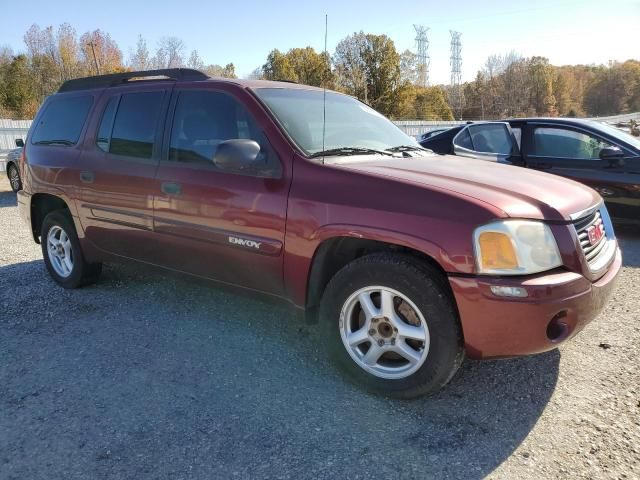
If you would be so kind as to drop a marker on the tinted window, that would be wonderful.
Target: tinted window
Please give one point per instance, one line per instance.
(517, 132)
(205, 119)
(491, 138)
(104, 130)
(135, 124)
(463, 139)
(62, 120)
(562, 143)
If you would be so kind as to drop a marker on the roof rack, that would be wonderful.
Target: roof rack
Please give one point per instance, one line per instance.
(115, 79)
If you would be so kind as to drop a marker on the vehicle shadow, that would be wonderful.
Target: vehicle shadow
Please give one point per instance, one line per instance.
(7, 198)
(148, 359)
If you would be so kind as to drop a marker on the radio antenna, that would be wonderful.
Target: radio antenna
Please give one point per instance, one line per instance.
(324, 84)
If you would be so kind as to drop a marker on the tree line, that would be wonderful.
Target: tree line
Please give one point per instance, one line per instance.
(364, 65)
(511, 86)
(53, 56)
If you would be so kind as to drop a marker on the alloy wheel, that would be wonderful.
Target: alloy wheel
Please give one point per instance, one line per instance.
(60, 251)
(384, 332)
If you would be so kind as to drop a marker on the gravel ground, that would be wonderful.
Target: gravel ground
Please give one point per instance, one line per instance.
(152, 376)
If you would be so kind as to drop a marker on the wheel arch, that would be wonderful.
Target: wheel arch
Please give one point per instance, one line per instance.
(41, 205)
(334, 252)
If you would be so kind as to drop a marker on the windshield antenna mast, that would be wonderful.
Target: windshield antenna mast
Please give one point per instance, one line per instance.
(324, 84)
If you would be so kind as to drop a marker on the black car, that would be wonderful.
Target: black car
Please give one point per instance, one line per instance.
(432, 133)
(603, 157)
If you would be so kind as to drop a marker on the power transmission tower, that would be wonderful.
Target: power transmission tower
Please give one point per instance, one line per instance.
(456, 71)
(422, 45)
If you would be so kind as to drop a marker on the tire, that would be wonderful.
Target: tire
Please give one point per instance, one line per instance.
(62, 252)
(14, 177)
(415, 361)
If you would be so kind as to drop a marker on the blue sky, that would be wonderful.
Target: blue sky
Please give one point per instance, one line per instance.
(565, 31)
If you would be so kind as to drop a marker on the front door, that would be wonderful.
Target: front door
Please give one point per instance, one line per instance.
(212, 222)
(575, 153)
(117, 175)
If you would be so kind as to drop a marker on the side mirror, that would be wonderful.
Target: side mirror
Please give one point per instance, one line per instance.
(237, 155)
(614, 155)
(19, 143)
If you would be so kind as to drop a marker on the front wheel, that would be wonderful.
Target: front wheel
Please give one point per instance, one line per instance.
(14, 177)
(62, 253)
(389, 323)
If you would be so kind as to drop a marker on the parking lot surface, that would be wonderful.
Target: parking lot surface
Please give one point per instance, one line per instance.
(145, 375)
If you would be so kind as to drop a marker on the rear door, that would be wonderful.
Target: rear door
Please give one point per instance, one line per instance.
(490, 141)
(574, 152)
(117, 176)
(214, 223)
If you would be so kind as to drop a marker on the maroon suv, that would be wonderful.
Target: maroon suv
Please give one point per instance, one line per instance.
(408, 260)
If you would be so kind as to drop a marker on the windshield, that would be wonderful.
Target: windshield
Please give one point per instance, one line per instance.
(621, 134)
(349, 123)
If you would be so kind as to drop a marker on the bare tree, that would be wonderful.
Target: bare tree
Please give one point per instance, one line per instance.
(195, 61)
(409, 67)
(256, 74)
(140, 59)
(6, 54)
(67, 51)
(170, 53)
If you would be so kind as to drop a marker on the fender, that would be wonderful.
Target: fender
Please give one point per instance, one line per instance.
(300, 252)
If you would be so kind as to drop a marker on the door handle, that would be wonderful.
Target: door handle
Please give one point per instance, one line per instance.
(171, 188)
(87, 177)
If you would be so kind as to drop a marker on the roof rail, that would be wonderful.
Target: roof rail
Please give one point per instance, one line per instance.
(115, 79)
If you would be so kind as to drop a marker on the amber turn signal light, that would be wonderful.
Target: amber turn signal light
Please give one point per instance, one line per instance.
(496, 251)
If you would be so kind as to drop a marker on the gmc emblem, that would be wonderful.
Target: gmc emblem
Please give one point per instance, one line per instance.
(595, 232)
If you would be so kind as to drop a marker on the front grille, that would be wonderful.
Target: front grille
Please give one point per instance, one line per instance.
(582, 226)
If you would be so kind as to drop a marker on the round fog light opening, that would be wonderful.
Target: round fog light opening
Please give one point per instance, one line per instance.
(558, 329)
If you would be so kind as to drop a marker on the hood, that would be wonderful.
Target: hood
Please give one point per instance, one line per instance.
(516, 191)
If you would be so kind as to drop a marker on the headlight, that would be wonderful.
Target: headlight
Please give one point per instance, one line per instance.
(515, 247)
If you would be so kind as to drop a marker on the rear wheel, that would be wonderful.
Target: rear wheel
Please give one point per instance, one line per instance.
(62, 252)
(389, 323)
(14, 177)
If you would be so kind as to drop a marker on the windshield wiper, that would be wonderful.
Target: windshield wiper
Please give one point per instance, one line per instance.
(350, 151)
(53, 142)
(407, 148)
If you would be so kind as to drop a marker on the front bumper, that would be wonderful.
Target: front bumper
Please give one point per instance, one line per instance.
(495, 327)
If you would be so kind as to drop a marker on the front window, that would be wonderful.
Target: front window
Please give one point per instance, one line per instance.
(564, 143)
(349, 122)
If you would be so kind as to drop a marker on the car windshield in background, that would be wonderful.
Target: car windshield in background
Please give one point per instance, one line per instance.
(621, 134)
(351, 126)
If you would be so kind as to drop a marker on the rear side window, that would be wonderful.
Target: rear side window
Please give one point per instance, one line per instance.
(62, 121)
(134, 128)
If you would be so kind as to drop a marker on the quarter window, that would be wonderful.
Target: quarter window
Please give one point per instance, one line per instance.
(563, 143)
(134, 128)
(463, 139)
(62, 121)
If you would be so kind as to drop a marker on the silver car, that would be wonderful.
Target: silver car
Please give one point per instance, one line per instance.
(13, 172)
